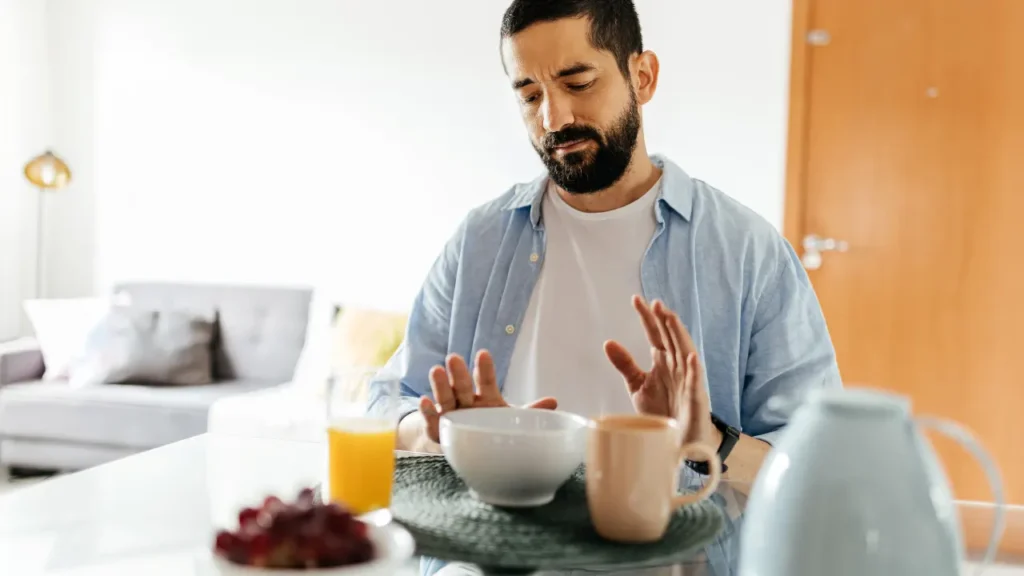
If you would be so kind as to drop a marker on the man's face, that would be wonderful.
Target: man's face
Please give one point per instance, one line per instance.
(581, 113)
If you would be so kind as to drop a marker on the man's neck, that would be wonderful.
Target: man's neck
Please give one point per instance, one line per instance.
(639, 178)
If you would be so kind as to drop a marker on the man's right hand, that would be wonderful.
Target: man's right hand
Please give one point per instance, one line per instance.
(453, 390)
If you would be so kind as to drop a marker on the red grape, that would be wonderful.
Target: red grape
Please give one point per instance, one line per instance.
(246, 516)
(364, 551)
(303, 534)
(224, 542)
(260, 544)
(264, 519)
(239, 551)
(338, 518)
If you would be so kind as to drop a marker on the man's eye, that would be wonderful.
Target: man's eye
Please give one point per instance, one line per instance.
(530, 99)
(581, 87)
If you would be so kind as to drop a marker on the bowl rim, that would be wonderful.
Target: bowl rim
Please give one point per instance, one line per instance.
(582, 421)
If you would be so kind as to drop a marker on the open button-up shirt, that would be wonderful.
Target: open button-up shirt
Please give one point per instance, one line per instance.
(735, 282)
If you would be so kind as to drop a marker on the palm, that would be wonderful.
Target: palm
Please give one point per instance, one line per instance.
(673, 387)
(656, 392)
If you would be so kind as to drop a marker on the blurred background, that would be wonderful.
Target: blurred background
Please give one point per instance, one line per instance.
(336, 144)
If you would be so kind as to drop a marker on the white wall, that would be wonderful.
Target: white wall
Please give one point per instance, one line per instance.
(338, 143)
(24, 133)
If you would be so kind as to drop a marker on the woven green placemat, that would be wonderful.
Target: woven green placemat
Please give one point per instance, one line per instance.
(433, 503)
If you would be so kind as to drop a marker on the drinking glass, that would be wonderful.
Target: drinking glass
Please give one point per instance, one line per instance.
(361, 444)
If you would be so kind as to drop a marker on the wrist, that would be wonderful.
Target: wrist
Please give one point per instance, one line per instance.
(717, 437)
(411, 428)
(713, 440)
(412, 435)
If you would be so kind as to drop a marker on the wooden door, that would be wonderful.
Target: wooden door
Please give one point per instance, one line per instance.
(907, 143)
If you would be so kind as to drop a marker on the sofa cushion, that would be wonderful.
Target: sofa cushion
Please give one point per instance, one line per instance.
(142, 345)
(61, 327)
(126, 415)
(260, 330)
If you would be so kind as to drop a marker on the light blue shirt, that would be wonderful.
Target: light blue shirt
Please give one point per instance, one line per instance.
(735, 282)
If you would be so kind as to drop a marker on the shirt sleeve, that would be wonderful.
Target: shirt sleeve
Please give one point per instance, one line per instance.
(790, 350)
(426, 338)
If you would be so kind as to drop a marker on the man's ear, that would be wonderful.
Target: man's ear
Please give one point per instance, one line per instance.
(645, 76)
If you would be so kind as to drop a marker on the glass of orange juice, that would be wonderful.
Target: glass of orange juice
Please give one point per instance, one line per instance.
(361, 445)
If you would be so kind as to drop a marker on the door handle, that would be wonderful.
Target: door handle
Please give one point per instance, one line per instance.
(814, 245)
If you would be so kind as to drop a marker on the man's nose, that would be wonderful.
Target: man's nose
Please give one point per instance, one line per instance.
(557, 112)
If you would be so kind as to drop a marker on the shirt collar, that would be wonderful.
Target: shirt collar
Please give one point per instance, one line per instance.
(676, 191)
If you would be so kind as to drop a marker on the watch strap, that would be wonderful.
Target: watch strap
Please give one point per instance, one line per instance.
(730, 436)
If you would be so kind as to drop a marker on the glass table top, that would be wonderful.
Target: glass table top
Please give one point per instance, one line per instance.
(156, 512)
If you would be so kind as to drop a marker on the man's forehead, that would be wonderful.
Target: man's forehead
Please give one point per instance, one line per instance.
(546, 48)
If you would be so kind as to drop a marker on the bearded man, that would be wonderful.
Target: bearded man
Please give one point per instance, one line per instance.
(557, 292)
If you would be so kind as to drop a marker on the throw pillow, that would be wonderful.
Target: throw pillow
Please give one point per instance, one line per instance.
(343, 342)
(365, 339)
(314, 366)
(61, 327)
(143, 346)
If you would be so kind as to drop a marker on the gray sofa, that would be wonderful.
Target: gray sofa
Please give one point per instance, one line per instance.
(49, 425)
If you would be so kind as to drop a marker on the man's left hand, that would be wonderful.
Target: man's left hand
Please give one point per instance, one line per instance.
(674, 386)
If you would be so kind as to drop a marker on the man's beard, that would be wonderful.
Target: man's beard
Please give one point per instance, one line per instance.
(587, 171)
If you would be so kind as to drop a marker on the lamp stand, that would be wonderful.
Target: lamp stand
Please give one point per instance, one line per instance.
(40, 222)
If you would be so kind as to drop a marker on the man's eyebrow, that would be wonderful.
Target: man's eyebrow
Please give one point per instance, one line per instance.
(577, 68)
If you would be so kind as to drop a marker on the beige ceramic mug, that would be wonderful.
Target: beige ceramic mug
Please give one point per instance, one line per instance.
(633, 474)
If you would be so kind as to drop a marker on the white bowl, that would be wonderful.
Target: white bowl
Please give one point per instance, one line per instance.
(513, 457)
(394, 546)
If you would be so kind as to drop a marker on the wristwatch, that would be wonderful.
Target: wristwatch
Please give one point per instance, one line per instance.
(730, 436)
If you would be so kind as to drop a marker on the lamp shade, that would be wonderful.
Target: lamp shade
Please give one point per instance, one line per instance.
(48, 171)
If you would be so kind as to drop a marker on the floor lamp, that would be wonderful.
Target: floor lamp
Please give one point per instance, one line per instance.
(48, 173)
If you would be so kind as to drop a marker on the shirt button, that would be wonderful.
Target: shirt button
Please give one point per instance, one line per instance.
(510, 329)
(534, 257)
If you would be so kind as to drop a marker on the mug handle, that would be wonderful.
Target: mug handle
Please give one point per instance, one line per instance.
(713, 479)
(964, 437)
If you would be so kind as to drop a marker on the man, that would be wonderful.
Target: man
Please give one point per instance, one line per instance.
(557, 291)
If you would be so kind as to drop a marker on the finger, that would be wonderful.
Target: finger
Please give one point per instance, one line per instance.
(486, 377)
(431, 418)
(462, 383)
(442, 388)
(659, 360)
(688, 346)
(662, 313)
(695, 383)
(547, 403)
(686, 408)
(624, 363)
(690, 378)
(649, 322)
(676, 331)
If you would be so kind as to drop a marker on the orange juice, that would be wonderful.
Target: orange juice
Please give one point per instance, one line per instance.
(361, 463)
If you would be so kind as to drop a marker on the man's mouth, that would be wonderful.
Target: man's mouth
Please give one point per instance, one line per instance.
(572, 146)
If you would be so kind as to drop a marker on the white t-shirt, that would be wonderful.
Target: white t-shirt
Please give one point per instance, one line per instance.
(591, 271)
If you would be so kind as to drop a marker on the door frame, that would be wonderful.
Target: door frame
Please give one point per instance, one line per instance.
(793, 220)
(976, 522)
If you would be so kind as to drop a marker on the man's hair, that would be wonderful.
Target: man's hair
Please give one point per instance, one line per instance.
(614, 24)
